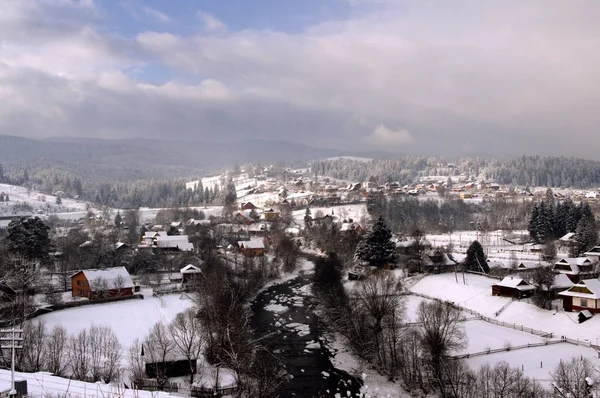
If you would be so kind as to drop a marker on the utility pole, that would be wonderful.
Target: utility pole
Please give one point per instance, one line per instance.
(9, 335)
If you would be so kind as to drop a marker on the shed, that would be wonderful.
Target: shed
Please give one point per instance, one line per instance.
(512, 286)
(584, 316)
(190, 272)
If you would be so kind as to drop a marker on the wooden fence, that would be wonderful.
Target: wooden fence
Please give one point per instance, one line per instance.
(514, 326)
(194, 391)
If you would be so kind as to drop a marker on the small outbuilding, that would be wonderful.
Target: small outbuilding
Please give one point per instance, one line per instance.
(512, 286)
(584, 316)
(190, 272)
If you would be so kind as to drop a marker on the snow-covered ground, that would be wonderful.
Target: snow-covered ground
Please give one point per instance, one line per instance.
(40, 203)
(44, 385)
(467, 290)
(129, 319)
(538, 362)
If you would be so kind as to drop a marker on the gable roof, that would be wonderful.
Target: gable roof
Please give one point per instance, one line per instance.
(594, 251)
(110, 275)
(588, 285)
(567, 237)
(562, 281)
(252, 244)
(514, 283)
(190, 269)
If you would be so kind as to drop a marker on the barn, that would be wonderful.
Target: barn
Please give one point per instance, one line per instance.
(512, 286)
(102, 283)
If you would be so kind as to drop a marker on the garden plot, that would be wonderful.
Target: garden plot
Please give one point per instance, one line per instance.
(537, 362)
(473, 292)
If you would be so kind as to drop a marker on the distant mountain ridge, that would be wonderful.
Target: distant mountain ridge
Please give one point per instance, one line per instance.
(128, 159)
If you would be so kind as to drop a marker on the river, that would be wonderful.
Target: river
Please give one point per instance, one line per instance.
(288, 311)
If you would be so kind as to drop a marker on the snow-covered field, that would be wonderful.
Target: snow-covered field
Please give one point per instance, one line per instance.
(129, 319)
(42, 203)
(537, 362)
(467, 290)
(44, 385)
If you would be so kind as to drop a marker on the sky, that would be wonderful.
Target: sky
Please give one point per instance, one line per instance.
(409, 77)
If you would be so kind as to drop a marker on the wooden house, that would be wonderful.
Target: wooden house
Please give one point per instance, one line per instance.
(271, 215)
(248, 206)
(102, 283)
(576, 268)
(512, 286)
(585, 295)
(252, 248)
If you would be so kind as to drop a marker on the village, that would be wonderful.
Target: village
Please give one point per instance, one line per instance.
(144, 267)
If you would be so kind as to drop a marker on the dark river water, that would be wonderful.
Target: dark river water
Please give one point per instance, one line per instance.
(298, 340)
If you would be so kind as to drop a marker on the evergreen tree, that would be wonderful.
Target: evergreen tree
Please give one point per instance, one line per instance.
(118, 220)
(308, 220)
(586, 233)
(543, 225)
(58, 200)
(560, 219)
(29, 238)
(573, 215)
(533, 222)
(377, 247)
(475, 260)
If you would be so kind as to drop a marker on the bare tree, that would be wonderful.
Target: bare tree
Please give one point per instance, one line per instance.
(501, 380)
(104, 353)
(137, 368)
(188, 337)
(100, 287)
(78, 355)
(119, 284)
(160, 350)
(576, 378)
(379, 296)
(33, 354)
(57, 350)
(441, 333)
(543, 280)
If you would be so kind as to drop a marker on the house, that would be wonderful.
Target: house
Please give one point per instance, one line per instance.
(561, 283)
(248, 206)
(350, 226)
(437, 262)
(101, 283)
(252, 248)
(576, 268)
(243, 217)
(593, 253)
(190, 272)
(174, 243)
(466, 195)
(512, 286)
(271, 215)
(585, 295)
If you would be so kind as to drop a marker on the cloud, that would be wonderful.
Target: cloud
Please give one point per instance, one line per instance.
(384, 138)
(491, 76)
(211, 24)
(157, 15)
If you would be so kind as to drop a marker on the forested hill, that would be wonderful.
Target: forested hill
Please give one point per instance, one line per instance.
(522, 171)
(131, 160)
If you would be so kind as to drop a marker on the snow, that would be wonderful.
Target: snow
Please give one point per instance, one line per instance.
(482, 336)
(538, 362)
(43, 384)
(277, 308)
(129, 319)
(355, 211)
(475, 293)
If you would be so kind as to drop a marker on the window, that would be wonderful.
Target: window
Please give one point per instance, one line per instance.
(584, 303)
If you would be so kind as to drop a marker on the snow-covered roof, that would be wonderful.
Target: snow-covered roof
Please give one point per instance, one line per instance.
(574, 260)
(594, 252)
(562, 281)
(110, 275)
(582, 288)
(514, 283)
(567, 237)
(190, 269)
(349, 226)
(252, 244)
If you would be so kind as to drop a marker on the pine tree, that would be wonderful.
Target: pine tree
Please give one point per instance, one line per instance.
(586, 233)
(377, 247)
(475, 260)
(533, 222)
(308, 220)
(118, 220)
